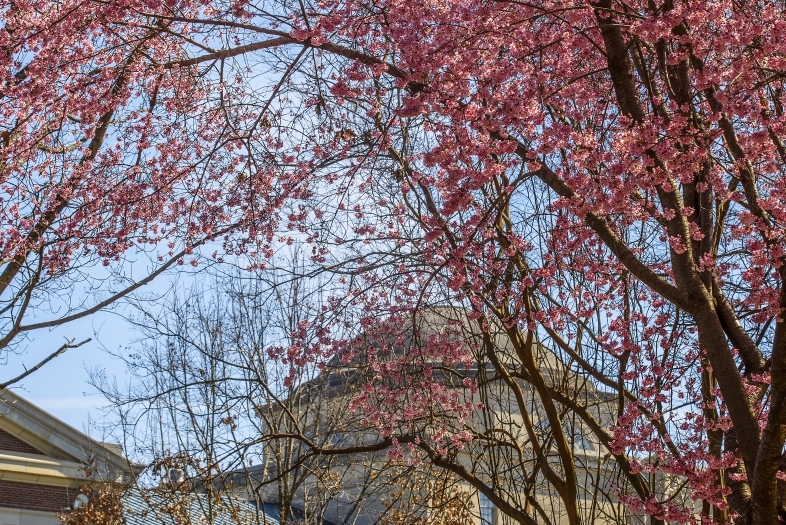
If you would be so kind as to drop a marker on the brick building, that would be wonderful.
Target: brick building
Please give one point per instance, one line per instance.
(42, 463)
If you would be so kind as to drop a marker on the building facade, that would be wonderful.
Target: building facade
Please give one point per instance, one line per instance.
(44, 462)
(367, 488)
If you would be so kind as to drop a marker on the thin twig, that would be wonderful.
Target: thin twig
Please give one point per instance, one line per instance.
(29, 371)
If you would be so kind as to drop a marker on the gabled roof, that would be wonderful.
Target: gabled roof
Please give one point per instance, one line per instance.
(66, 448)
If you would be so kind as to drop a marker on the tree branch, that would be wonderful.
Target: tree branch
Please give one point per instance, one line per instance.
(56, 353)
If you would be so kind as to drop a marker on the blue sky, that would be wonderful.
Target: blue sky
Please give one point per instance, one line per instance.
(61, 386)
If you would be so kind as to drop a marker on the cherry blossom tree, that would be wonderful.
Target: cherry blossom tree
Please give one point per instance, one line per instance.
(116, 164)
(604, 178)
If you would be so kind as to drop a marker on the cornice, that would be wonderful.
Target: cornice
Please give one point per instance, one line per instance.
(41, 470)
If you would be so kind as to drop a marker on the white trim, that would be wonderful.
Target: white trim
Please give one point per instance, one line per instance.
(31, 468)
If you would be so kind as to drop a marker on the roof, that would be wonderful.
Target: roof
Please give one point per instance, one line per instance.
(273, 510)
(156, 507)
(153, 507)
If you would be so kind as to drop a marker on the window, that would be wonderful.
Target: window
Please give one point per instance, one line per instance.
(486, 510)
(574, 434)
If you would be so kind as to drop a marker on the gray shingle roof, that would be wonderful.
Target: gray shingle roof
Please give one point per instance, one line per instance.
(155, 507)
(152, 507)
